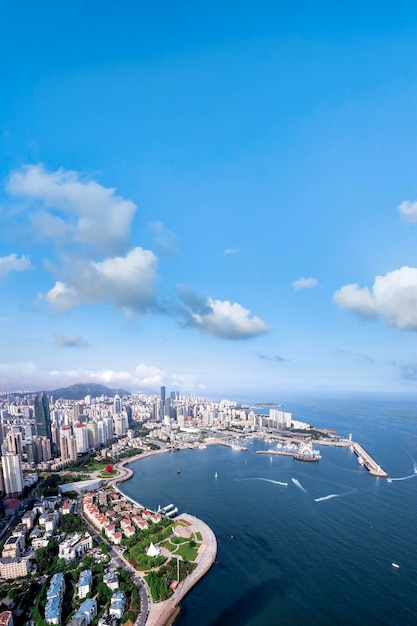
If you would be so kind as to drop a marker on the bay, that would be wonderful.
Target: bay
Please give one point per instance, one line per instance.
(316, 552)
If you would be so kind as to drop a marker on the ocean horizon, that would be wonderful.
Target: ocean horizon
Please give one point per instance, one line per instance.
(302, 543)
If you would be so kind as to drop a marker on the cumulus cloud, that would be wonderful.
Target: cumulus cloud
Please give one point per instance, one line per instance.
(230, 251)
(408, 211)
(87, 212)
(304, 283)
(71, 341)
(393, 297)
(143, 376)
(14, 263)
(220, 318)
(28, 376)
(125, 282)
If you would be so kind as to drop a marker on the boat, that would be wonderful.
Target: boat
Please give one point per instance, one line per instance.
(178, 471)
(215, 474)
(361, 460)
(169, 511)
(395, 565)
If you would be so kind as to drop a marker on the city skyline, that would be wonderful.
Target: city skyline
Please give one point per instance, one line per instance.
(220, 202)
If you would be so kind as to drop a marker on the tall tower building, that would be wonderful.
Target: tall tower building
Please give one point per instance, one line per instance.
(77, 412)
(162, 405)
(117, 404)
(42, 416)
(12, 473)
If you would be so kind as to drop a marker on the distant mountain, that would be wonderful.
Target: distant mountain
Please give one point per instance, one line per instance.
(80, 390)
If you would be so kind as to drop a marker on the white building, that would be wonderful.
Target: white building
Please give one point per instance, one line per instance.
(12, 473)
(81, 437)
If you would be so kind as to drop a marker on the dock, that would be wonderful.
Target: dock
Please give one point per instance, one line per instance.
(371, 465)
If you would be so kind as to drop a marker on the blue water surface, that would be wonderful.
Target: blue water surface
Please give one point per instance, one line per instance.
(315, 551)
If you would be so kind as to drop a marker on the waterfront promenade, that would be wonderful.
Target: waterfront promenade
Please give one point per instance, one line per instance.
(164, 613)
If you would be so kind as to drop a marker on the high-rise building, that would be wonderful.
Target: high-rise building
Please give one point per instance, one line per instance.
(92, 434)
(81, 437)
(12, 473)
(117, 404)
(14, 443)
(31, 452)
(77, 412)
(162, 405)
(42, 416)
(120, 425)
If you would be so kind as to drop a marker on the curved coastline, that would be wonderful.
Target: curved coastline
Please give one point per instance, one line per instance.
(164, 613)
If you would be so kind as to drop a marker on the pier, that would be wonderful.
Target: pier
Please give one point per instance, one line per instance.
(370, 464)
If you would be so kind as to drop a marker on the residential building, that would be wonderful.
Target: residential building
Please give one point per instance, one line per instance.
(85, 583)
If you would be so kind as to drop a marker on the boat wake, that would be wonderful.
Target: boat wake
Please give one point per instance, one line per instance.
(298, 484)
(390, 480)
(267, 480)
(332, 495)
(335, 495)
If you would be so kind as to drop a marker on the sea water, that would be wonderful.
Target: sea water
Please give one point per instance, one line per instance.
(302, 543)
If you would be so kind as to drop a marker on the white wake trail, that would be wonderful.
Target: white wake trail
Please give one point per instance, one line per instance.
(332, 495)
(390, 480)
(267, 480)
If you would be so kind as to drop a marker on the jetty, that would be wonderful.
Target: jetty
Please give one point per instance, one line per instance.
(365, 459)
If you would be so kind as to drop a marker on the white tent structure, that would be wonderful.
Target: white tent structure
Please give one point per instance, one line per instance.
(153, 550)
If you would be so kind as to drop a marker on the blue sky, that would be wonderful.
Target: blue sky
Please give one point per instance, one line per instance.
(221, 198)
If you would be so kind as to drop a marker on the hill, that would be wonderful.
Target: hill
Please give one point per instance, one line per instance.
(80, 390)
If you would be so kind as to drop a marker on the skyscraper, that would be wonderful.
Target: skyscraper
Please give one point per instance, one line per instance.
(42, 416)
(162, 405)
(117, 404)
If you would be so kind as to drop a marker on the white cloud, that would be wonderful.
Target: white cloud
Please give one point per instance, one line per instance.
(230, 251)
(220, 318)
(146, 377)
(408, 211)
(304, 283)
(28, 376)
(126, 282)
(14, 263)
(393, 297)
(90, 213)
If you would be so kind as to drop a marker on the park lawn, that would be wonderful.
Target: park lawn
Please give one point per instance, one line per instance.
(199, 537)
(109, 475)
(179, 540)
(187, 552)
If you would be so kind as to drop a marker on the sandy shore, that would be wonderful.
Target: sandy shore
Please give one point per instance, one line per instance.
(164, 613)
